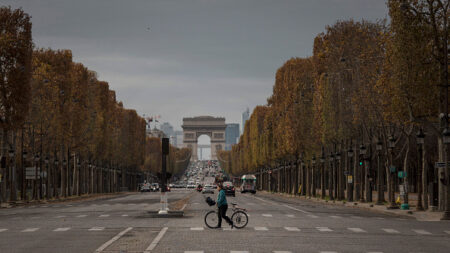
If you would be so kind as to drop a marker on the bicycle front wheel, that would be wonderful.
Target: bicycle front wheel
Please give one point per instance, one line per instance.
(240, 219)
(211, 219)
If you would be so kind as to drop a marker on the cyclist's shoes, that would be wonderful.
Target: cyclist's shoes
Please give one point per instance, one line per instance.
(232, 225)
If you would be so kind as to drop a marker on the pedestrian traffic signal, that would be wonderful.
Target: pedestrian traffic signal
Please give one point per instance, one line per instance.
(360, 163)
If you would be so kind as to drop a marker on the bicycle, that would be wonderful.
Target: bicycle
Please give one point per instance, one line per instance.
(239, 217)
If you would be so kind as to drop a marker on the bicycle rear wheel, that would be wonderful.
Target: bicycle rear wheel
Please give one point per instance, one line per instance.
(211, 219)
(240, 219)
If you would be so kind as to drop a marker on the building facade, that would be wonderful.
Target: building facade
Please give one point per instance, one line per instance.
(245, 117)
(231, 135)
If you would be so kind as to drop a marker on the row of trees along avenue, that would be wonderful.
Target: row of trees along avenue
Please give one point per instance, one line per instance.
(368, 111)
(62, 131)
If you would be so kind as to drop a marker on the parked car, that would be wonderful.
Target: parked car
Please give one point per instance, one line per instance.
(208, 189)
(229, 189)
(199, 188)
(190, 186)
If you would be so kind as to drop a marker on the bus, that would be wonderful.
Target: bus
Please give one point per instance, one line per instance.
(248, 183)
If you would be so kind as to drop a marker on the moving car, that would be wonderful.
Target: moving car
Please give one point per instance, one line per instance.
(145, 187)
(208, 189)
(154, 187)
(229, 189)
(199, 188)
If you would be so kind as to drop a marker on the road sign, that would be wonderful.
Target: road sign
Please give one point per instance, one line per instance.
(402, 174)
(392, 169)
(439, 165)
(350, 179)
(30, 173)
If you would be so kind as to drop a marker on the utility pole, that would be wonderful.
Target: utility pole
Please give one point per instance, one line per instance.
(165, 153)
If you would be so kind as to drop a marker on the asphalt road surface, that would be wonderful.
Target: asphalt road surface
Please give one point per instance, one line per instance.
(121, 224)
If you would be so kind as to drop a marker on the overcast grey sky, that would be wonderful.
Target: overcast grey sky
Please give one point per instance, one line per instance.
(200, 57)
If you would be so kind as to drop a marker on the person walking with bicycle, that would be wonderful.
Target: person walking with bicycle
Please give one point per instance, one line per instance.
(223, 206)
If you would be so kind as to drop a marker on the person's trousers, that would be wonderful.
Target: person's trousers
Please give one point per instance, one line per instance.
(223, 214)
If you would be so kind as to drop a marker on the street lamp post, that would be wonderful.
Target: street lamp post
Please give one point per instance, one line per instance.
(420, 141)
(350, 175)
(380, 199)
(392, 169)
(330, 177)
(445, 175)
(322, 174)
(24, 177)
(362, 152)
(47, 188)
(313, 162)
(12, 166)
(36, 176)
(338, 181)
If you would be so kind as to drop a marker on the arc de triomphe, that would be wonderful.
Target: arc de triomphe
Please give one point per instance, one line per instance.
(197, 126)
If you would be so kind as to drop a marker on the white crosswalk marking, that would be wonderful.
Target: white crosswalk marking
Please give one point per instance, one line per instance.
(323, 229)
(421, 231)
(292, 228)
(61, 229)
(261, 228)
(30, 230)
(124, 215)
(267, 215)
(335, 217)
(390, 230)
(82, 216)
(3, 229)
(290, 215)
(197, 229)
(96, 229)
(357, 230)
(104, 215)
(312, 216)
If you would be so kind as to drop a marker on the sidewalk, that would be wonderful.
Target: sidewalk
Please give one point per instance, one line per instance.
(67, 199)
(412, 213)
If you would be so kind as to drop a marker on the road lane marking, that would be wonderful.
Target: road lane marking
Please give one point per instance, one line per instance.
(104, 215)
(296, 209)
(60, 216)
(3, 229)
(194, 251)
(197, 229)
(237, 251)
(156, 240)
(267, 215)
(421, 231)
(37, 217)
(267, 201)
(292, 229)
(327, 252)
(357, 230)
(447, 231)
(290, 215)
(82, 216)
(312, 216)
(61, 229)
(323, 229)
(124, 215)
(380, 218)
(261, 228)
(390, 230)
(115, 238)
(96, 228)
(335, 217)
(280, 251)
(30, 230)
(184, 206)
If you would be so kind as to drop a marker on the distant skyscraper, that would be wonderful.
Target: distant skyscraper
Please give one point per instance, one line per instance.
(231, 135)
(179, 139)
(167, 128)
(245, 117)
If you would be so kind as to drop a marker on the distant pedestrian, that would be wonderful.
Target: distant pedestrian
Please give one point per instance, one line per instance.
(223, 206)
